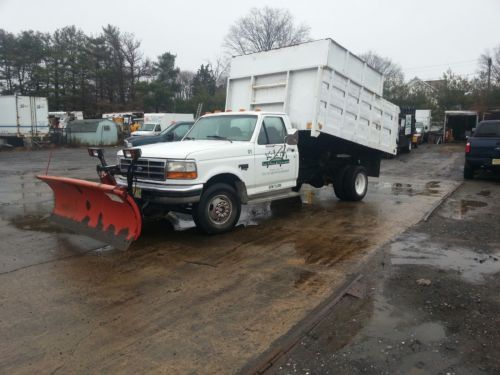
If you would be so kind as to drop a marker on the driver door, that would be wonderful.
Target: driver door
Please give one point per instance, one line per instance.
(275, 161)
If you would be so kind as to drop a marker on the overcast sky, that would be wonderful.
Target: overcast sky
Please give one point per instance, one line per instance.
(424, 36)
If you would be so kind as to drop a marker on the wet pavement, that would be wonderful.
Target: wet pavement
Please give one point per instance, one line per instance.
(432, 306)
(179, 301)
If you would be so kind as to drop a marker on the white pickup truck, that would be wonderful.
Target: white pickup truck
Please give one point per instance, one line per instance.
(311, 113)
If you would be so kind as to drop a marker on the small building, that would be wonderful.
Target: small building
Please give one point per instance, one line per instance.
(95, 132)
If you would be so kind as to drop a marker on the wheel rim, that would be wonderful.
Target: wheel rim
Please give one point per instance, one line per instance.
(360, 184)
(220, 209)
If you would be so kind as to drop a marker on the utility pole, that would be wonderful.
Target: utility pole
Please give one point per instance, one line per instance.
(489, 74)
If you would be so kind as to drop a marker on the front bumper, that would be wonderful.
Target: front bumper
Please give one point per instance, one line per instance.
(166, 194)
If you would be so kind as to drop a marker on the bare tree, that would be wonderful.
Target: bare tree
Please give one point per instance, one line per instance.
(133, 56)
(394, 85)
(220, 69)
(185, 79)
(384, 65)
(264, 29)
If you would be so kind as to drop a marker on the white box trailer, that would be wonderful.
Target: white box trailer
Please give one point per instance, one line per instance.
(322, 87)
(23, 116)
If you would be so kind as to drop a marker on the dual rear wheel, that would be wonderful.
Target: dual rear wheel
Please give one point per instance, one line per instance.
(351, 183)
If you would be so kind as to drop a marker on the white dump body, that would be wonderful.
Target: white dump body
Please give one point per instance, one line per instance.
(321, 86)
(23, 116)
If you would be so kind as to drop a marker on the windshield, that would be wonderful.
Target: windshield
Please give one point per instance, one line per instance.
(488, 129)
(148, 127)
(228, 127)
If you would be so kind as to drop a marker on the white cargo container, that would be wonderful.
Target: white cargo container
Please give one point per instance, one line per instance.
(23, 116)
(322, 87)
(423, 120)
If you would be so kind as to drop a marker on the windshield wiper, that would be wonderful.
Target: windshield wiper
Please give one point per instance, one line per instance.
(188, 138)
(219, 137)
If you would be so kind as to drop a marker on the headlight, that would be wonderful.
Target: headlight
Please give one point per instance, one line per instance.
(181, 170)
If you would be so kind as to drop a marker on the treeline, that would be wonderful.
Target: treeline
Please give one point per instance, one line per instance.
(450, 92)
(103, 73)
(108, 72)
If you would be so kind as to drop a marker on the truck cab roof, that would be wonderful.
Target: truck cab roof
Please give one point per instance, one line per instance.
(245, 112)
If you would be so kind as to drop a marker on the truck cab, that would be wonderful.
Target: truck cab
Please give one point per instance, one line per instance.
(225, 159)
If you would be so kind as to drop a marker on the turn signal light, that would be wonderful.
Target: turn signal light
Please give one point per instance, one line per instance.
(182, 175)
(467, 148)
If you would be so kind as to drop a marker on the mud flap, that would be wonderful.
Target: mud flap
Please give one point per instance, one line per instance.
(104, 212)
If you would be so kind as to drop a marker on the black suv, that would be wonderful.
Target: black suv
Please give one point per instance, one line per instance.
(483, 148)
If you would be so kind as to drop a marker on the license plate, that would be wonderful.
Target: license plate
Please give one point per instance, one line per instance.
(495, 161)
(137, 193)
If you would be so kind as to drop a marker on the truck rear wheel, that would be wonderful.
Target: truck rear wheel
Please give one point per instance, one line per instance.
(355, 183)
(468, 171)
(218, 210)
(338, 183)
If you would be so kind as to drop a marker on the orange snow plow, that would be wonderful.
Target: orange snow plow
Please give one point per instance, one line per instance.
(103, 211)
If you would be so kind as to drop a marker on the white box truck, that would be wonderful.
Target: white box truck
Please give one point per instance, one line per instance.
(423, 121)
(155, 123)
(310, 113)
(23, 116)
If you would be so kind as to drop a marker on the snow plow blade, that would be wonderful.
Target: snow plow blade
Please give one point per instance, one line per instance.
(104, 212)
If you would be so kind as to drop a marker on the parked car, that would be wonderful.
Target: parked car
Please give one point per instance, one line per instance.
(482, 150)
(174, 132)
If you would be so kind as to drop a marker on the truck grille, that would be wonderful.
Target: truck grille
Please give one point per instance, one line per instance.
(148, 169)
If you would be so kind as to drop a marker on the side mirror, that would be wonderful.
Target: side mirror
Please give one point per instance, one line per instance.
(292, 139)
(170, 136)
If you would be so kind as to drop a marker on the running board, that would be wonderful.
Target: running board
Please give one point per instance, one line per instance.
(268, 197)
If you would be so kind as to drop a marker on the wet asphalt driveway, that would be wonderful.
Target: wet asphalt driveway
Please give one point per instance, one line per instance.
(178, 301)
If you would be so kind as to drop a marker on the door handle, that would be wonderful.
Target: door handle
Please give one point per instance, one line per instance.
(243, 167)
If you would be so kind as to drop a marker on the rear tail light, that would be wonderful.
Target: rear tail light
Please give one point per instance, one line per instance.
(467, 148)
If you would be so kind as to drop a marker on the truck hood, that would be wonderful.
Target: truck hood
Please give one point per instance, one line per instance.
(200, 150)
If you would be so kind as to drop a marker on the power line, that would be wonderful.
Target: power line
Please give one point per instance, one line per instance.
(447, 64)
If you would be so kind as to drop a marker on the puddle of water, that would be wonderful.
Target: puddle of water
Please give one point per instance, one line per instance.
(431, 188)
(484, 193)
(39, 223)
(458, 209)
(429, 332)
(418, 250)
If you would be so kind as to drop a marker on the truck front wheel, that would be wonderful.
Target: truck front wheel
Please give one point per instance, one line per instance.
(355, 183)
(218, 210)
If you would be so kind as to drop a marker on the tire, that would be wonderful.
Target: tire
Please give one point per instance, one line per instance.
(355, 183)
(468, 172)
(218, 210)
(338, 183)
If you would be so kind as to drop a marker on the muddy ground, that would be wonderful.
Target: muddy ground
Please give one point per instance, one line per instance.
(432, 305)
(182, 302)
